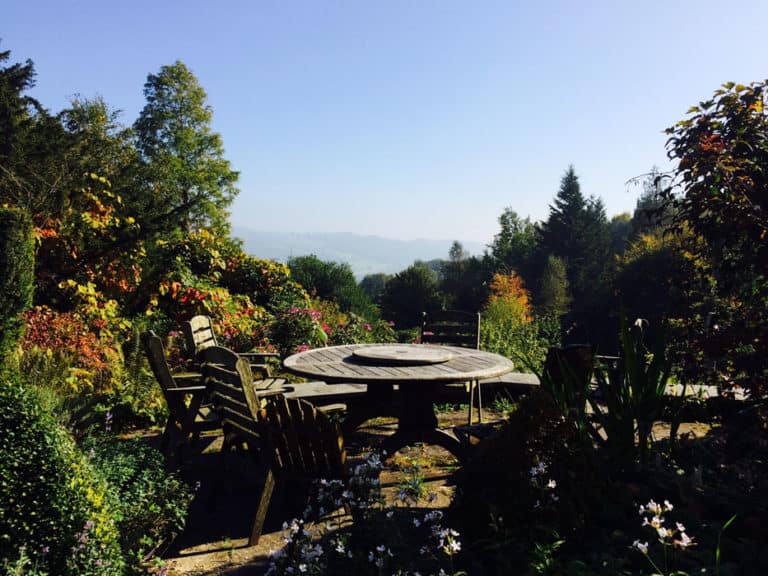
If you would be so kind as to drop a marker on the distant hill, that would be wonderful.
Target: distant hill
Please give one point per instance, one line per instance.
(365, 254)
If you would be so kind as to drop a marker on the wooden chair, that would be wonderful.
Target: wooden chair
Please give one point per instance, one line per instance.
(185, 397)
(199, 335)
(236, 396)
(303, 445)
(455, 328)
(294, 439)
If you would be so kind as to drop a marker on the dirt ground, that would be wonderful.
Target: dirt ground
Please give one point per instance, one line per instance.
(215, 540)
(216, 536)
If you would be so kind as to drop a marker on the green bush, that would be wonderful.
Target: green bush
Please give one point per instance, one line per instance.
(547, 485)
(150, 505)
(54, 505)
(16, 281)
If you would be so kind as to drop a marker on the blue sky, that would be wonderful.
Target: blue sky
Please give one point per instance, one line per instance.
(412, 119)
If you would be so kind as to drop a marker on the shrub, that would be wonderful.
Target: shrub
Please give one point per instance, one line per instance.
(54, 505)
(16, 280)
(150, 504)
(545, 481)
(297, 329)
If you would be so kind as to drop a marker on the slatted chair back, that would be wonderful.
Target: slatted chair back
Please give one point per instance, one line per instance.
(302, 445)
(456, 328)
(302, 439)
(199, 334)
(451, 327)
(236, 401)
(185, 420)
(153, 348)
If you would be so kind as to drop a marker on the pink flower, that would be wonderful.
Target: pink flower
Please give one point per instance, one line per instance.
(367, 327)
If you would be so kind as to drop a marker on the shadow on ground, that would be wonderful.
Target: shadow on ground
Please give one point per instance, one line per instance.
(218, 526)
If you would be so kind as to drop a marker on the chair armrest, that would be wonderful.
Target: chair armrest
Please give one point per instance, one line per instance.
(184, 377)
(258, 356)
(187, 389)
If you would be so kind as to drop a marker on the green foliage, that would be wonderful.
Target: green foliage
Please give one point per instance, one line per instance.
(553, 298)
(408, 294)
(17, 264)
(33, 170)
(150, 505)
(638, 398)
(722, 154)
(373, 285)
(332, 281)
(192, 182)
(357, 330)
(514, 247)
(54, 505)
(266, 283)
(297, 329)
(577, 231)
(545, 480)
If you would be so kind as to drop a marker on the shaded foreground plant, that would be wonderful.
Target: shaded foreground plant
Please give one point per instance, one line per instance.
(380, 539)
(636, 399)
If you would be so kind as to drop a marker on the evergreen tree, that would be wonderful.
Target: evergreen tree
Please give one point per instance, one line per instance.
(554, 299)
(190, 183)
(577, 231)
(34, 174)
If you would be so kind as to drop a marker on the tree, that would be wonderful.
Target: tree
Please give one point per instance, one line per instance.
(190, 182)
(408, 294)
(514, 247)
(332, 281)
(620, 228)
(651, 211)
(34, 174)
(577, 231)
(721, 191)
(373, 285)
(554, 300)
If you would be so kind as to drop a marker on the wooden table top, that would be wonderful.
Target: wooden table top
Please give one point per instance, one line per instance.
(337, 364)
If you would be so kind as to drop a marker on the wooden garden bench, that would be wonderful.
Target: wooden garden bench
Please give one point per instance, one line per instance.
(188, 414)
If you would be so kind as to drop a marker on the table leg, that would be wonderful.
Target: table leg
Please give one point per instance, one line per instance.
(418, 423)
(378, 401)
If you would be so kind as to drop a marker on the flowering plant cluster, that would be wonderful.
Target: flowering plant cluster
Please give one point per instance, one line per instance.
(61, 344)
(357, 330)
(377, 541)
(297, 329)
(670, 537)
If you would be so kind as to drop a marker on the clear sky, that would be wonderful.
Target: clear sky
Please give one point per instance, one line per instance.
(407, 119)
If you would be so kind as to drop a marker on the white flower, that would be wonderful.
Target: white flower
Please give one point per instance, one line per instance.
(667, 506)
(684, 541)
(340, 547)
(662, 532)
(551, 484)
(380, 548)
(680, 527)
(642, 546)
(390, 513)
(302, 567)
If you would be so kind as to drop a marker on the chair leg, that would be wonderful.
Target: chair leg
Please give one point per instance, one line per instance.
(261, 511)
(479, 402)
(471, 402)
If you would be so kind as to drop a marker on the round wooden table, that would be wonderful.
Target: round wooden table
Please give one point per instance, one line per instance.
(419, 370)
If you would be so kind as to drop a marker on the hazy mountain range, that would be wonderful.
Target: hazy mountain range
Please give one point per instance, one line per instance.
(365, 254)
